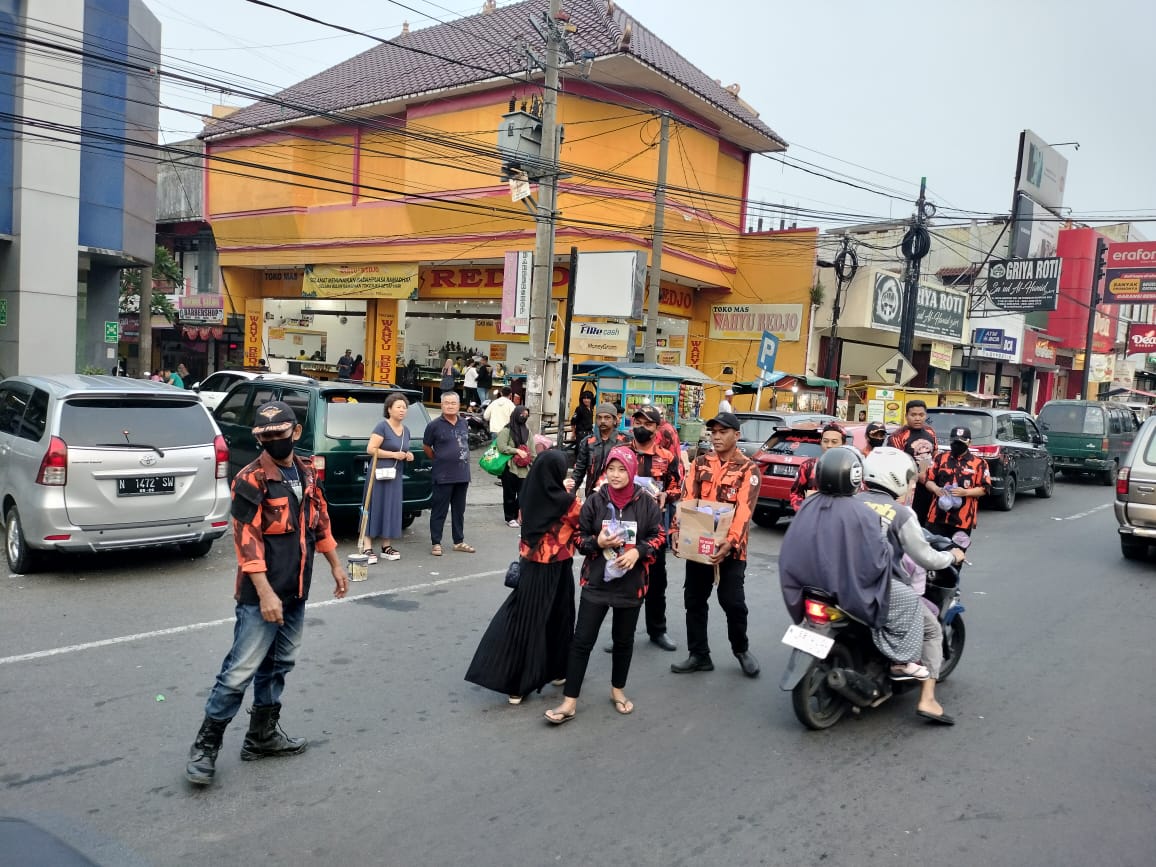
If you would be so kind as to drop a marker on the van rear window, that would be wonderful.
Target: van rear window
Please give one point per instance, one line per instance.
(353, 415)
(1072, 418)
(111, 422)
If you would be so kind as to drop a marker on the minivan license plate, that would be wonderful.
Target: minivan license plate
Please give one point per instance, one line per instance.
(145, 486)
(809, 642)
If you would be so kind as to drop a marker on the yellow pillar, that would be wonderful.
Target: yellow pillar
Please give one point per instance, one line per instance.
(381, 338)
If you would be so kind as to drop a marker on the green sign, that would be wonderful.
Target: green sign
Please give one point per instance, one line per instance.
(111, 332)
(3, 311)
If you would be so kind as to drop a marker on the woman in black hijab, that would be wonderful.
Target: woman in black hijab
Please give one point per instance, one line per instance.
(515, 440)
(527, 643)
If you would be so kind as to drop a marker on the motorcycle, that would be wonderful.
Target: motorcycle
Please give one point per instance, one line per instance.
(479, 429)
(835, 667)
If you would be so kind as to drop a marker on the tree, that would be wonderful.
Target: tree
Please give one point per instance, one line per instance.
(166, 271)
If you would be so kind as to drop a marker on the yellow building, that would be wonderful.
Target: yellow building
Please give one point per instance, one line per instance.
(364, 208)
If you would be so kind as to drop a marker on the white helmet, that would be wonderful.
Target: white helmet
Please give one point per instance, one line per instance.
(889, 469)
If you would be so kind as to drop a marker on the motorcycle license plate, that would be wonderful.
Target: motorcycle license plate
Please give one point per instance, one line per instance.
(809, 642)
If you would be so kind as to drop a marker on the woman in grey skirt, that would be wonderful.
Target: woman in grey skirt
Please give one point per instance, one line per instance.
(389, 444)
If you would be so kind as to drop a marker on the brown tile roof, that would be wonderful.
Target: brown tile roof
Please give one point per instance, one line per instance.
(488, 43)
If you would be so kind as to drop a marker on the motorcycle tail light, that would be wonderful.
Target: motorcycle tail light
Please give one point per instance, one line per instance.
(817, 612)
(1122, 481)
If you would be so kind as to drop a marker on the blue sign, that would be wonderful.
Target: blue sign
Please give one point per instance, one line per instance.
(768, 349)
(992, 337)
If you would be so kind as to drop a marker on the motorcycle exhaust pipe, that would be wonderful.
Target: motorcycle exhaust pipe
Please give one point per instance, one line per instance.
(853, 686)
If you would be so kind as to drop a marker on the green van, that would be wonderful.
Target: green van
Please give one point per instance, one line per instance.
(1086, 436)
(337, 419)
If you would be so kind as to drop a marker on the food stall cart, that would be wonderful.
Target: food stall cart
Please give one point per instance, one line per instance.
(885, 402)
(629, 385)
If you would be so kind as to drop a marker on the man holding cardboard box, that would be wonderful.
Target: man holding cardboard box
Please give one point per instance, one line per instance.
(711, 528)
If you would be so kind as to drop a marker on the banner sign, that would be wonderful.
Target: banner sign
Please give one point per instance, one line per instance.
(386, 280)
(254, 324)
(749, 321)
(1130, 275)
(386, 343)
(940, 355)
(939, 312)
(1141, 339)
(517, 277)
(201, 308)
(1024, 285)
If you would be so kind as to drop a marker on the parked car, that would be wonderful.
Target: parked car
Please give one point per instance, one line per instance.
(215, 386)
(96, 463)
(1088, 437)
(1009, 440)
(758, 427)
(1136, 494)
(337, 419)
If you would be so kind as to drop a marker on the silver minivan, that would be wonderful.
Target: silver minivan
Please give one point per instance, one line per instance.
(96, 463)
(1136, 494)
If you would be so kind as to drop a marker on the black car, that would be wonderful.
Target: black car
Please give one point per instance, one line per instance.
(758, 427)
(1009, 440)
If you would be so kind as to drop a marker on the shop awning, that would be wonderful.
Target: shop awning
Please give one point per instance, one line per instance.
(641, 370)
(778, 379)
(1131, 391)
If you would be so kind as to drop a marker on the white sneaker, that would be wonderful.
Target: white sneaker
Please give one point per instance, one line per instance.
(513, 524)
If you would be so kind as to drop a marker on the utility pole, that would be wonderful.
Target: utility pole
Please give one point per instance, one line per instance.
(846, 265)
(542, 285)
(145, 329)
(1093, 303)
(650, 341)
(916, 245)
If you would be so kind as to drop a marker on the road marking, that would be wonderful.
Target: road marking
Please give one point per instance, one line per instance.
(1079, 515)
(193, 627)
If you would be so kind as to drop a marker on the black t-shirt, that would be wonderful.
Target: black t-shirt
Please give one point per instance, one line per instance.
(485, 376)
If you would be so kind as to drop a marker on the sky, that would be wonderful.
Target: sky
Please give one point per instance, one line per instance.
(885, 92)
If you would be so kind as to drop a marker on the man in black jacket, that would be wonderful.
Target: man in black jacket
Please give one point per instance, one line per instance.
(593, 450)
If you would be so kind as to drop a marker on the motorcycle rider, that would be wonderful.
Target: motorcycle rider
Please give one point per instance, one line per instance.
(854, 563)
(593, 451)
(889, 476)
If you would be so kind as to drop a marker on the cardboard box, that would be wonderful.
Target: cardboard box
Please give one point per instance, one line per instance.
(702, 533)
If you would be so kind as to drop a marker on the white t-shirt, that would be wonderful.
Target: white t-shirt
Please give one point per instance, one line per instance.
(470, 377)
(498, 413)
(724, 405)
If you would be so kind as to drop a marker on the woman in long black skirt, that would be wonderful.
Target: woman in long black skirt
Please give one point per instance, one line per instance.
(527, 643)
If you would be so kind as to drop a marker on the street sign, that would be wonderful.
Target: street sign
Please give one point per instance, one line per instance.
(111, 332)
(896, 369)
(768, 350)
(3, 311)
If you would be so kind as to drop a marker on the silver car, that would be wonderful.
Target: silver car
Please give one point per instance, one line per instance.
(95, 463)
(1136, 494)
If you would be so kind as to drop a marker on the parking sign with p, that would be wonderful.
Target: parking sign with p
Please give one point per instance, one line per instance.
(768, 350)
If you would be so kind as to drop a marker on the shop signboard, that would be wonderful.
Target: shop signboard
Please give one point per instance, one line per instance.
(486, 331)
(208, 308)
(380, 280)
(940, 355)
(1130, 273)
(940, 313)
(992, 337)
(696, 351)
(386, 342)
(749, 321)
(1141, 339)
(1038, 351)
(498, 352)
(670, 357)
(254, 316)
(1025, 285)
(612, 339)
(517, 278)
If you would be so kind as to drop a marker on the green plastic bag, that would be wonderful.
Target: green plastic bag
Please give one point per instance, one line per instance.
(493, 461)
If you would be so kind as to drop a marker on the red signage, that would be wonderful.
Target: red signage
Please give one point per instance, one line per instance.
(1130, 273)
(1038, 351)
(1141, 339)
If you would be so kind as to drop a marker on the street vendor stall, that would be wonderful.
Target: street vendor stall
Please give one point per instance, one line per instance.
(791, 392)
(886, 402)
(628, 385)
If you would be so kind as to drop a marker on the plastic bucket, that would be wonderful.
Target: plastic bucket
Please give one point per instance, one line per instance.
(358, 567)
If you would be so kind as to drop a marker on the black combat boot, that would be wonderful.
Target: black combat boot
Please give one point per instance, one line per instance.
(202, 765)
(266, 738)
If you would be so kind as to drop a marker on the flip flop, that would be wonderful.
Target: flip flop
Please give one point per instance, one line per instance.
(940, 719)
(463, 548)
(561, 718)
(624, 706)
(436, 550)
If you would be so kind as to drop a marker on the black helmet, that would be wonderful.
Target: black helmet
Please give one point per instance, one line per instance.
(839, 472)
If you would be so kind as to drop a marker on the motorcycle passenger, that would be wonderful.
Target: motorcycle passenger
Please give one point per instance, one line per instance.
(957, 479)
(595, 449)
(889, 476)
(804, 485)
(854, 563)
(875, 435)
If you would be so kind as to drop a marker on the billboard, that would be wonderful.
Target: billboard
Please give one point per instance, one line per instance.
(1024, 285)
(1041, 172)
(939, 313)
(382, 280)
(1035, 232)
(1130, 273)
(610, 284)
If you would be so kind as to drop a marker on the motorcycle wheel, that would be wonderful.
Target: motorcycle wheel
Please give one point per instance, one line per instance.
(816, 706)
(954, 637)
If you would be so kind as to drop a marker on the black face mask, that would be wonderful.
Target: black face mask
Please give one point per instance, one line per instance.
(643, 435)
(279, 449)
(959, 448)
(875, 443)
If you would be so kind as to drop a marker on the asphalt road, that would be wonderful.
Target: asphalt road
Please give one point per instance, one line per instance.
(1052, 761)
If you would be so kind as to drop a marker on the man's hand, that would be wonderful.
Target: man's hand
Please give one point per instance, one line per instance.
(341, 580)
(723, 552)
(606, 539)
(662, 500)
(271, 610)
(569, 485)
(627, 560)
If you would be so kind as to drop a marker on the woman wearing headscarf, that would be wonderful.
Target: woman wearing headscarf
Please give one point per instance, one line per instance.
(619, 531)
(515, 440)
(448, 375)
(527, 642)
(582, 422)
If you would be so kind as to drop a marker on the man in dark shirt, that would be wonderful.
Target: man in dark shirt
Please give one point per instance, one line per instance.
(919, 441)
(485, 380)
(447, 444)
(345, 365)
(956, 481)
(592, 451)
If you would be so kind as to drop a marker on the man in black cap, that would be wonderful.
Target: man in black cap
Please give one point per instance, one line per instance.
(593, 450)
(956, 481)
(724, 475)
(280, 518)
(875, 436)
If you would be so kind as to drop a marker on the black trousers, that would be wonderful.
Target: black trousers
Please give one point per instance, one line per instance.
(622, 626)
(448, 499)
(731, 597)
(921, 503)
(947, 530)
(511, 490)
(656, 596)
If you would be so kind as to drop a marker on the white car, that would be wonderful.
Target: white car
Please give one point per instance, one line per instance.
(215, 386)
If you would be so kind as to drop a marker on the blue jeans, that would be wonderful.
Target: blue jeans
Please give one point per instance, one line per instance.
(263, 653)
